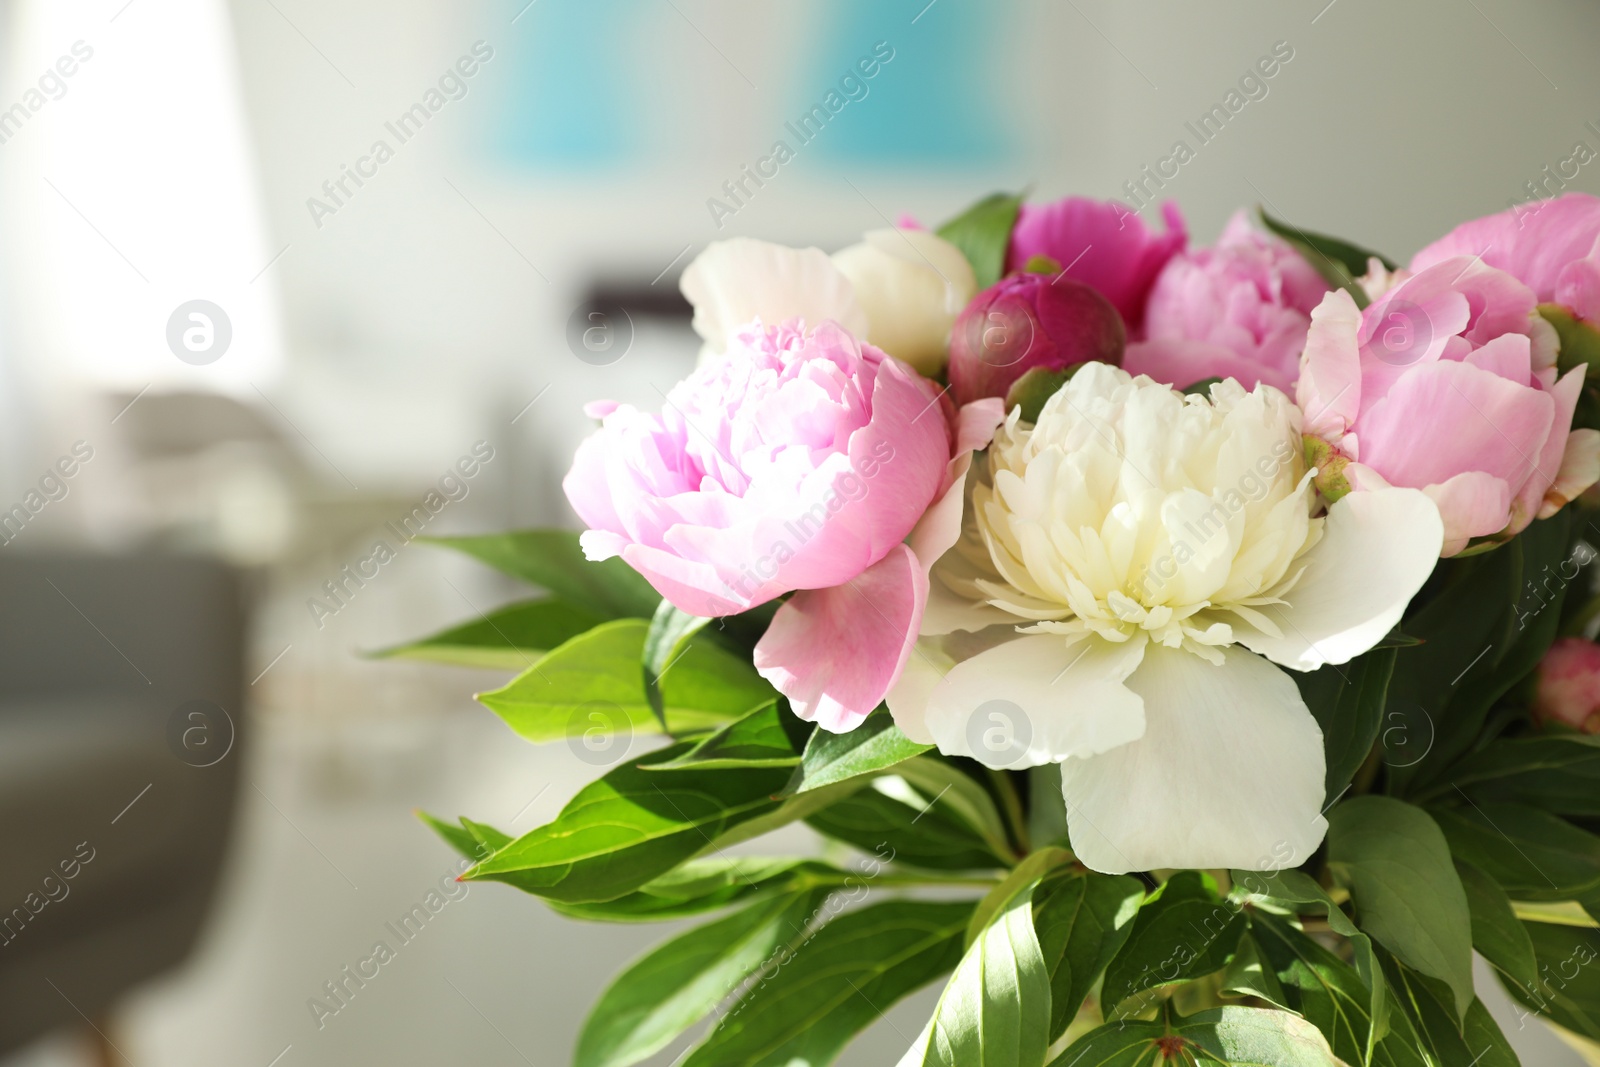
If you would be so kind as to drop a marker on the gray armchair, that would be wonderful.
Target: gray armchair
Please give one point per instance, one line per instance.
(118, 774)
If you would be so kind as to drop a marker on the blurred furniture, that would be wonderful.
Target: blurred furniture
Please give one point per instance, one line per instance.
(102, 663)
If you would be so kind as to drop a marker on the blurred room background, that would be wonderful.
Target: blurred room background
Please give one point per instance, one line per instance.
(367, 317)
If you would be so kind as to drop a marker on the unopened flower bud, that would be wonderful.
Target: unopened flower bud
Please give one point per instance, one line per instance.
(1025, 321)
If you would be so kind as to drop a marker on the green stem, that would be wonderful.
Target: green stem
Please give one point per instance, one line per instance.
(1011, 805)
(1368, 771)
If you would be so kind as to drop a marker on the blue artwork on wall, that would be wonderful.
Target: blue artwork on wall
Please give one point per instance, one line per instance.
(589, 89)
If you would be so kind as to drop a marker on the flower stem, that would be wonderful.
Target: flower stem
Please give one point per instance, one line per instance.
(1011, 805)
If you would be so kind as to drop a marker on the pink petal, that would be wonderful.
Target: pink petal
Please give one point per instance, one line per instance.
(1578, 287)
(1102, 244)
(940, 526)
(1445, 418)
(1531, 499)
(1536, 243)
(1329, 390)
(1472, 504)
(1181, 363)
(835, 653)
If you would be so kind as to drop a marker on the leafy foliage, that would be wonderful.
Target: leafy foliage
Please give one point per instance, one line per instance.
(1457, 822)
(983, 233)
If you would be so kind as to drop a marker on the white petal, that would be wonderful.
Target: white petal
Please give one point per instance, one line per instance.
(908, 697)
(1229, 772)
(1036, 700)
(734, 282)
(912, 284)
(1377, 549)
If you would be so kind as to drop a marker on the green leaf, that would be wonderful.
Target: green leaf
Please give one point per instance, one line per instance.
(789, 810)
(1568, 989)
(968, 800)
(1404, 883)
(594, 683)
(1347, 703)
(630, 827)
(1047, 806)
(488, 838)
(554, 561)
(1297, 888)
(670, 630)
(820, 995)
(1533, 855)
(1496, 932)
(1443, 1040)
(1559, 773)
(983, 233)
(701, 885)
(1580, 340)
(874, 746)
(1339, 262)
(1025, 876)
(1083, 919)
(1249, 974)
(1184, 930)
(770, 736)
(1247, 1037)
(1331, 995)
(996, 1008)
(916, 826)
(508, 638)
(679, 982)
(455, 836)
(1475, 661)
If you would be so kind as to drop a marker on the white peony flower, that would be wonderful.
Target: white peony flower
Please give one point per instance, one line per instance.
(1126, 565)
(912, 284)
(900, 290)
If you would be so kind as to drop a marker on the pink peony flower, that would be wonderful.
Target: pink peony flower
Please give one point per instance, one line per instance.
(1569, 685)
(1447, 383)
(1553, 248)
(1102, 244)
(798, 462)
(1238, 310)
(1025, 321)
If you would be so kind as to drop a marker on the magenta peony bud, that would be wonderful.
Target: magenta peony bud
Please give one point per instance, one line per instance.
(1025, 321)
(1569, 685)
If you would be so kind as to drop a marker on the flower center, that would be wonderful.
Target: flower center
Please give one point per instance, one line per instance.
(1130, 512)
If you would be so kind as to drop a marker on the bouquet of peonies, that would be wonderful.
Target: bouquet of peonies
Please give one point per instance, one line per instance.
(1185, 652)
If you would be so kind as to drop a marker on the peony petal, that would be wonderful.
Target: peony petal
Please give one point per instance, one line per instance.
(940, 526)
(1530, 500)
(1229, 772)
(1474, 421)
(1329, 389)
(911, 284)
(1036, 700)
(1580, 468)
(836, 652)
(908, 697)
(1377, 549)
(1472, 504)
(1102, 244)
(737, 281)
(1180, 362)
